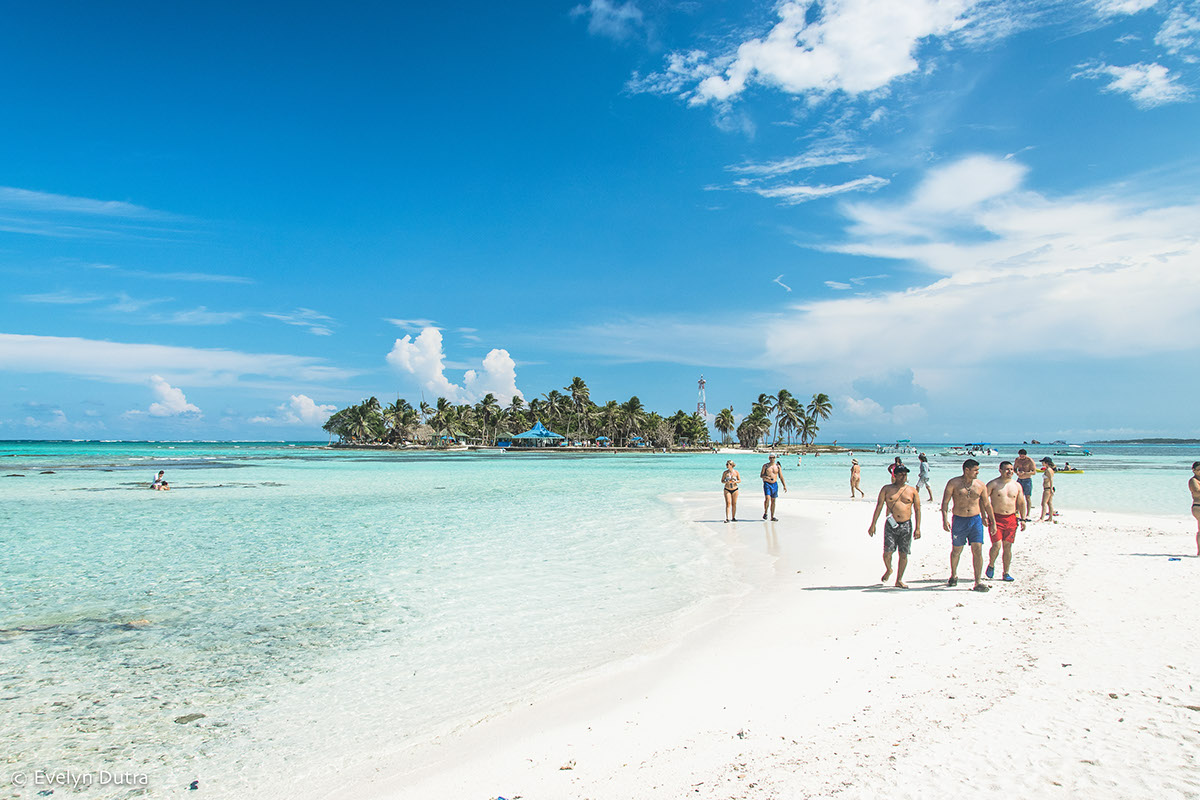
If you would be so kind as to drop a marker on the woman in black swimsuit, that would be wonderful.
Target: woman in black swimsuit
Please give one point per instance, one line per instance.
(731, 478)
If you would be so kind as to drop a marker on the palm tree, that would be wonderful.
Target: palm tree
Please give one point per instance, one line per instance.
(610, 418)
(634, 415)
(782, 400)
(489, 413)
(808, 429)
(790, 415)
(724, 423)
(820, 407)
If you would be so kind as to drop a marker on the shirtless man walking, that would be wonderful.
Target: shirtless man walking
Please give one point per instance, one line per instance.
(904, 508)
(1025, 471)
(772, 478)
(1008, 509)
(855, 477)
(969, 498)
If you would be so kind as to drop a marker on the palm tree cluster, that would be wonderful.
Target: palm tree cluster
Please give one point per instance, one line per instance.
(570, 412)
(781, 413)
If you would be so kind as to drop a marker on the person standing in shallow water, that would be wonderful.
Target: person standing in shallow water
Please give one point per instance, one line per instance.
(903, 503)
(772, 478)
(731, 478)
(1194, 486)
(855, 478)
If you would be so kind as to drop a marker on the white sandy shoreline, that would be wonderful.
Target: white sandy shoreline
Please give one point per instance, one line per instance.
(1076, 678)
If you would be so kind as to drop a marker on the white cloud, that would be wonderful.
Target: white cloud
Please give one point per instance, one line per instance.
(855, 46)
(64, 216)
(1113, 8)
(499, 377)
(1148, 85)
(425, 360)
(618, 21)
(837, 285)
(130, 363)
(199, 316)
(823, 156)
(27, 200)
(412, 324)
(61, 298)
(1014, 275)
(300, 409)
(305, 318)
(1180, 31)
(801, 193)
(171, 401)
(867, 410)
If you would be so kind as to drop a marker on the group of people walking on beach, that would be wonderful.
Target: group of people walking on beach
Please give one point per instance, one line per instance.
(969, 506)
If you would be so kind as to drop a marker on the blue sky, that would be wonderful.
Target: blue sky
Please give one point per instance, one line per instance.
(958, 218)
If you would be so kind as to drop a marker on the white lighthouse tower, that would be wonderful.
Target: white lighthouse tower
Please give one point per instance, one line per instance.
(701, 406)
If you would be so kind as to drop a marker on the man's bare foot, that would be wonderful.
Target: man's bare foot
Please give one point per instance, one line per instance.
(901, 585)
(886, 575)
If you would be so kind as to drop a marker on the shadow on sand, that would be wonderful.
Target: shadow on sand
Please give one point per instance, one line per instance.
(913, 586)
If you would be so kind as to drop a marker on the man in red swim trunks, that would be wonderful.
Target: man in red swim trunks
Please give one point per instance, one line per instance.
(1009, 510)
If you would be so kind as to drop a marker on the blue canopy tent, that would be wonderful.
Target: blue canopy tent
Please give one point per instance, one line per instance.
(536, 436)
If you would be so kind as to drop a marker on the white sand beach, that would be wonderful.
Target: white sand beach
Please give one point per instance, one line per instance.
(1081, 678)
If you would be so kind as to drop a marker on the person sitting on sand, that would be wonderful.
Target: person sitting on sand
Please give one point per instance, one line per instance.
(772, 477)
(1047, 513)
(731, 478)
(1194, 486)
(904, 509)
(971, 505)
(1008, 510)
(855, 477)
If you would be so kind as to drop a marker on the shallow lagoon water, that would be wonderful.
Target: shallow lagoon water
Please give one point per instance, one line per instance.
(322, 609)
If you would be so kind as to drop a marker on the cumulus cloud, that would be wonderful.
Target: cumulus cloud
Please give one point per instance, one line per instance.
(425, 359)
(853, 46)
(1148, 85)
(300, 409)
(171, 401)
(1113, 272)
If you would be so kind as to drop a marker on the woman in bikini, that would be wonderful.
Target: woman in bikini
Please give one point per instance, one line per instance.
(731, 478)
(1047, 491)
(1194, 485)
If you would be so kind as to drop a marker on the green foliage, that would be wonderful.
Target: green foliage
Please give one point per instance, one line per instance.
(576, 415)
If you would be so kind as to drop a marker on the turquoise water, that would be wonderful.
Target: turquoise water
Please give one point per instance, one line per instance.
(323, 608)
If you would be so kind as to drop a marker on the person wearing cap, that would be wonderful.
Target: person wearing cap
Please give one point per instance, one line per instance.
(968, 498)
(1025, 471)
(903, 503)
(855, 477)
(1047, 513)
(772, 478)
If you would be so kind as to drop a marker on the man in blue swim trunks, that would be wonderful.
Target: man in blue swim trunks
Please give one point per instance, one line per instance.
(1026, 469)
(972, 507)
(772, 477)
